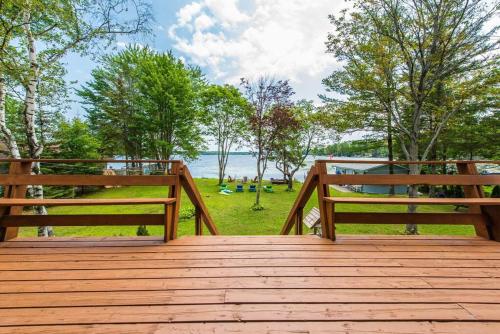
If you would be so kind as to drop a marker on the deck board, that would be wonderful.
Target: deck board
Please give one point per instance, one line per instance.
(254, 284)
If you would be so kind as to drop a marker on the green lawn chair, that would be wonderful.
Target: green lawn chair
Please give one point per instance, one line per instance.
(268, 189)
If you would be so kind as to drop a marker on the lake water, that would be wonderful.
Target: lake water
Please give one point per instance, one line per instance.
(206, 166)
(238, 166)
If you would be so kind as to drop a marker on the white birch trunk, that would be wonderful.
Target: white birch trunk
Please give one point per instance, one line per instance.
(7, 136)
(35, 148)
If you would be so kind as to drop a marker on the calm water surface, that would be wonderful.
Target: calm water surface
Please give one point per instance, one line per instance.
(239, 166)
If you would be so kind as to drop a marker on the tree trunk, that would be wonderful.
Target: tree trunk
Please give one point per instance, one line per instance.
(432, 189)
(413, 189)
(222, 165)
(290, 182)
(390, 150)
(257, 205)
(34, 147)
(7, 135)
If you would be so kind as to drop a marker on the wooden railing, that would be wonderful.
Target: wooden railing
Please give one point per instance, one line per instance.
(483, 213)
(15, 185)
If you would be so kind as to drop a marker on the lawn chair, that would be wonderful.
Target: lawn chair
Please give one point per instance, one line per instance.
(312, 221)
(239, 188)
(222, 187)
(268, 189)
(252, 188)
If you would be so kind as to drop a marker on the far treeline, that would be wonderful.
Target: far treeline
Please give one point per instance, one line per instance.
(371, 148)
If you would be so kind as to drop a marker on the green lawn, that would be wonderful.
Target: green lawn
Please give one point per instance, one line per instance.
(233, 215)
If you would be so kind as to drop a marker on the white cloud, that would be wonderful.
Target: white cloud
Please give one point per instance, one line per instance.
(226, 11)
(284, 38)
(203, 22)
(186, 13)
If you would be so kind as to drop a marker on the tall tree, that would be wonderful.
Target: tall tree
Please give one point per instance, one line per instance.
(47, 30)
(226, 112)
(142, 103)
(264, 94)
(170, 90)
(439, 47)
(114, 108)
(301, 130)
(440, 42)
(367, 79)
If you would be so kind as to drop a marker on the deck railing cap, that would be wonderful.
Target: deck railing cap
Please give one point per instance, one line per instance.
(405, 162)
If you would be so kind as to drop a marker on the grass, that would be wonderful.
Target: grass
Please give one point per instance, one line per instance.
(233, 214)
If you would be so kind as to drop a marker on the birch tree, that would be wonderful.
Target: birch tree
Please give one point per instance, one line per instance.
(47, 30)
(226, 113)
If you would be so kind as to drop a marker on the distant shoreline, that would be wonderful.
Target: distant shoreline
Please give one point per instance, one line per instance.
(230, 153)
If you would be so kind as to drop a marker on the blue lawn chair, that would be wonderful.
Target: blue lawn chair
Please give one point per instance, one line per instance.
(239, 188)
(252, 188)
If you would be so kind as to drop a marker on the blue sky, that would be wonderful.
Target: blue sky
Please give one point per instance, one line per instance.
(230, 39)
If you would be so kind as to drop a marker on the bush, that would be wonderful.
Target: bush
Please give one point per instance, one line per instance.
(187, 213)
(142, 230)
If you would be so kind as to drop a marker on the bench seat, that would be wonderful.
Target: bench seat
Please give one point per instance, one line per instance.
(83, 201)
(406, 200)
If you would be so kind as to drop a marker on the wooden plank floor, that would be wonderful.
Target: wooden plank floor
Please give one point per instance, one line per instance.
(261, 284)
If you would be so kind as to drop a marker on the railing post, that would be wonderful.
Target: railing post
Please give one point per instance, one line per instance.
(325, 211)
(475, 191)
(198, 225)
(299, 217)
(194, 195)
(14, 191)
(174, 192)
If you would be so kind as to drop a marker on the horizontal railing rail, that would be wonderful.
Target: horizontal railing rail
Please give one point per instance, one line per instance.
(483, 213)
(18, 179)
(373, 179)
(89, 180)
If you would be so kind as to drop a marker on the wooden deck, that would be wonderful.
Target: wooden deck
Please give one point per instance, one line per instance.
(265, 284)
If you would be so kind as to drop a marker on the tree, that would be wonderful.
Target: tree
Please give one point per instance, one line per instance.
(437, 43)
(226, 113)
(115, 111)
(301, 131)
(142, 103)
(57, 27)
(75, 141)
(263, 95)
(367, 78)
(170, 93)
